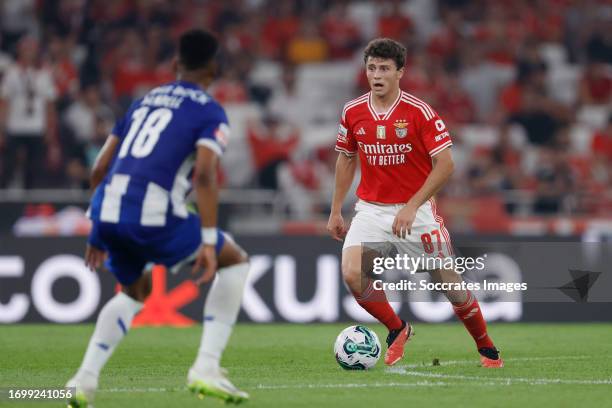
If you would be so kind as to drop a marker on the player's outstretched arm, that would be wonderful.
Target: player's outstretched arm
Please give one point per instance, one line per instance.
(103, 161)
(443, 168)
(345, 172)
(207, 197)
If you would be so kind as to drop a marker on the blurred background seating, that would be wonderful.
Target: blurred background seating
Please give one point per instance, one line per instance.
(525, 87)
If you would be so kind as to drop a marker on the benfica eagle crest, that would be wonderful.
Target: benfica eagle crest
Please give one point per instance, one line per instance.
(401, 128)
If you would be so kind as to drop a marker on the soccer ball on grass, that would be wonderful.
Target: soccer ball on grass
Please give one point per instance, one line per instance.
(357, 348)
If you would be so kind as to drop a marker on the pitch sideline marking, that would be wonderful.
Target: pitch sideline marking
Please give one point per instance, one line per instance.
(483, 381)
(500, 380)
(506, 380)
(475, 362)
(424, 383)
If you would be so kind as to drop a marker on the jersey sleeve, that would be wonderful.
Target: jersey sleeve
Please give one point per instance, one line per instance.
(215, 130)
(434, 134)
(119, 127)
(122, 124)
(345, 141)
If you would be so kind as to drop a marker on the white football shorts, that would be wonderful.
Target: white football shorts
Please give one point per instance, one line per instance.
(373, 224)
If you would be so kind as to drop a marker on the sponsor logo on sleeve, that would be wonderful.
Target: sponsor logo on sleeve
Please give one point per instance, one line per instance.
(222, 134)
(441, 136)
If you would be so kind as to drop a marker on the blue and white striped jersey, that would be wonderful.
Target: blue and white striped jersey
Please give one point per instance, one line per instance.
(151, 173)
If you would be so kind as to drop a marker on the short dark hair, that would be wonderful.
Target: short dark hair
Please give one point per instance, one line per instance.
(197, 48)
(386, 48)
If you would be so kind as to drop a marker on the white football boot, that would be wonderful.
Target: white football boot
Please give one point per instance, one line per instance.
(85, 387)
(215, 384)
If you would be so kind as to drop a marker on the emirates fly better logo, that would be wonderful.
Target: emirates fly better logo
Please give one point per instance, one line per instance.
(381, 154)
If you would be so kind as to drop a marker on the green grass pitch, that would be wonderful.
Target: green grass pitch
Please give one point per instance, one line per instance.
(547, 365)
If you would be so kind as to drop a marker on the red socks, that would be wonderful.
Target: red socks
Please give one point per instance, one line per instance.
(375, 303)
(471, 316)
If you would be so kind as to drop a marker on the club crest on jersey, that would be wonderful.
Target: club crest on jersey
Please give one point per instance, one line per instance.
(401, 128)
(380, 132)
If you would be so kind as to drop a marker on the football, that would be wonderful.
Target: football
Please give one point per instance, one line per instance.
(357, 348)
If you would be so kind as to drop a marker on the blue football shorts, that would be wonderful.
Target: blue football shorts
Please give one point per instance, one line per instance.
(131, 247)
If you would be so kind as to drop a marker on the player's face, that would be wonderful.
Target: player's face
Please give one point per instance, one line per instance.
(383, 76)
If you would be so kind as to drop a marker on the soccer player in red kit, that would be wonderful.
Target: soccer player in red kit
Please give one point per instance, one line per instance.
(403, 147)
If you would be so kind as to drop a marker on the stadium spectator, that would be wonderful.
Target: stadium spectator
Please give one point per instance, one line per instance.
(531, 73)
(229, 88)
(308, 183)
(503, 152)
(282, 25)
(272, 143)
(599, 44)
(485, 175)
(601, 146)
(500, 31)
(230, 14)
(496, 168)
(456, 104)
(132, 74)
(483, 80)
(308, 45)
(544, 20)
(65, 74)
(82, 115)
(5, 60)
(285, 101)
(554, 181)
(102, 128)
(510, 98)
(340, 32)
(601, 157)
(527, 103)
(27, 118)
(557, 51)
(393, 22)
(17, 18)
(596, 84)
(445, 42)
(419, 77)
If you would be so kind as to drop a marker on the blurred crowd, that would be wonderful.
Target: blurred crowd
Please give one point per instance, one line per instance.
(532, 77)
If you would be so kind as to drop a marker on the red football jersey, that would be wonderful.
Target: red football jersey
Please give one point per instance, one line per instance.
(395, 148)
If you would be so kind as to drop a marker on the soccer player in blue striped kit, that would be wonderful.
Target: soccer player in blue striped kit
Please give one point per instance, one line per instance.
(168, 142)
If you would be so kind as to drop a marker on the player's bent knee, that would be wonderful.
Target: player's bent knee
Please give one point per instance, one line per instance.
(351, 275)
(232, 254)
(135, 294)
(351, 262)
(141, 289)
(244, 256)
